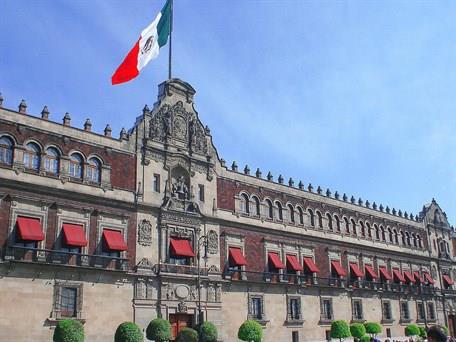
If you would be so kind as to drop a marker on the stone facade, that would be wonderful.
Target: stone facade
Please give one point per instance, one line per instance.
(180, 213)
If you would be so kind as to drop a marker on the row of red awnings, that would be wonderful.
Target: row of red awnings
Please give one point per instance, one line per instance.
(29, 229)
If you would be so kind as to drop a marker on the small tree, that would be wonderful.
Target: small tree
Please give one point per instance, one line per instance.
(340, 330)
(250, 331)
(365, 338)
(357, 330)
(68, 330)
(373, 328)
(128, 332)
(412, 330)
(422, 332)
(187, 335)
(159, 330)
(207, 332)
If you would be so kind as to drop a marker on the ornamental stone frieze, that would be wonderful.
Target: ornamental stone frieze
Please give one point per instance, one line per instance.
(212, 242)
(145, 233)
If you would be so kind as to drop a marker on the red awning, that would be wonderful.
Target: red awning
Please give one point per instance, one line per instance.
(308, 261)
(447, 279)
(385, 274)
(275, 260)
(114, 240)
(429, 278)
(418, 276)
(73, 235)
(409, 277)
(294, 263)
(355, 270)
(181, 248)
(236, 256)
(338, 268)
(398, 275)
(370, 270)
(29, 229)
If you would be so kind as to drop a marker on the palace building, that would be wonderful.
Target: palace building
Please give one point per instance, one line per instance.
(107, 229)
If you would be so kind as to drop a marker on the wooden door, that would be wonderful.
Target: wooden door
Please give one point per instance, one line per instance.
(178, 322)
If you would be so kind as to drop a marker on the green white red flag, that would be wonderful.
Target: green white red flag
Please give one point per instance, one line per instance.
(152, 38)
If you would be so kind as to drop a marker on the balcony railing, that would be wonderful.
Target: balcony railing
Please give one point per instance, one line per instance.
(311, 281)
(56, 257)
(180, 269)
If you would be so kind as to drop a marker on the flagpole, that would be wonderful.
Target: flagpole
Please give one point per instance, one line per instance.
(170, 39)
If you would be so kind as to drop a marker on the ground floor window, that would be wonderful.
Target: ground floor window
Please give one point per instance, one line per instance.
(326, 309)
(420, 311)
(256, 309)
(67, 300)
(294, 309)
(357, 310)
(405, 313)
(431, 311)
(386, 311)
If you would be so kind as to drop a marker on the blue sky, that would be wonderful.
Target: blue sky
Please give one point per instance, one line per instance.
(357, 96)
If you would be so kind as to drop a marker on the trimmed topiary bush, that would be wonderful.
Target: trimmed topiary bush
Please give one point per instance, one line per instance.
(357, 330)
(68, 330)
(128, 332)
(372, 328)
(207, 332)
(412, 330)
(340, 330)
(187, 335)
(365, 338)
(250, 331)
(159, 330)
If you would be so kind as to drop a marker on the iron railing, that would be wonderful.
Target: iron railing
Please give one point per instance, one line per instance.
(180, 269)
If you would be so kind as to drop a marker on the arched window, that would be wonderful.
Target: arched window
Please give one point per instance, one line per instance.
(52, 160)
(330, 221)
(396, 237)
(76, 165)
(94, 170)
(353, 224)
(311, 217)
(301, 215)
(6, 150)
(256, 203)
(420, 244)
(245, 204)
(32, 157)
(279, 211)
(320, 220)
(407, 238)
(382, 230)
(377, 232)
(292, 213)
(402, 238)
(414, 240)
(347, 225)
(369, 230)
(337, 222)
(270, 209)
(390, 235)
(362, 228)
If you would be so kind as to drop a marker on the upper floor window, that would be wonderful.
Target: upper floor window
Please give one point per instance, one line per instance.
(363, 230)
(396, 237)
(76, 165)
(390, 235)
(383, 236)
(32, 156)
(311, 217)
(156, 183)
(347, 225)
(94, 170)
(330, 221)
(6, 150)
(292, 213)
(301, 215)
(257, 207)
(353, 223)
(407, 238)
(369, 230)
(414, 240)
(270, 209)
(337, 222)
(320, 220)
(245, 204)
(52, 160)
(201, 192)
(377, 232)
(279, 211)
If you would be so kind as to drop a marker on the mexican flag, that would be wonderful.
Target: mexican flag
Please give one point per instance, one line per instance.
(152, 38)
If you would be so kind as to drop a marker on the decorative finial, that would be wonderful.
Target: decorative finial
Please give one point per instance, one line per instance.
(310, 187)
(207, 130)
(258, 173)
(319, 190)
(88, 125)
(223, 162)
(301, 185)
(374, 206)
(399, 213)
(22, 107)
(336, 195)
(367, 204)
(1, 100)
(416, 218)
(394, 211)
(360, 201)
(67, 119)
(45, 113)
(352, 200)
(387, 209)
(405, 214)
(107, 131)
(234, 166)
(328, 192)
(381, 207)
(344, 197)
(146, 110)
(246, 170)
(291, 182)
(269, 176)
(280, 179)
(123, 134)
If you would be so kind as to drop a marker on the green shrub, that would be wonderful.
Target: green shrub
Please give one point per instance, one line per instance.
(365, 338)
(412, 330)
(445, 329)
(357, 330)
(128, 332)
(68, 330)
(250, 331)
(207, 332)
(372, 328)
(187, 335)
(422, 332)
(158, 330)
(340, 330)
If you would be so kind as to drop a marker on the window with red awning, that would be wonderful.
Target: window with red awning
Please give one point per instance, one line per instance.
(293, 262)
(447, 279)
(429, 278)
(310, 265)
(385, 274)
(337, 267)
(29, 229)
(236, 256)
(418, 276)
(408, 276)
(73, 235)
(398, 275)
(274, 259)
(370, 271)
(355, 270)
(114, 240)
(181, 248)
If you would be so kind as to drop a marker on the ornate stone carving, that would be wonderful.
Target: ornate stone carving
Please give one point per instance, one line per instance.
(145, 233)
(179, 232)
(218, 293)
(211, 294)
(160, 124)
(180, 128)
(140, 289)
(179, 189)
(213, 269)
(212, 242)
(180, 219)
(182, 291)
(145, 263)
(181, 307)
(198, 140)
